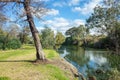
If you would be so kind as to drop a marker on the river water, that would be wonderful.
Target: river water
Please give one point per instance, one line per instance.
(90, 60)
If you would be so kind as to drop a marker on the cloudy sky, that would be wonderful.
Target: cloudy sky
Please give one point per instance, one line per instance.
(64, 14)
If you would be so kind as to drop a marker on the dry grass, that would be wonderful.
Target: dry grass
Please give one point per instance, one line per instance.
(17, 65)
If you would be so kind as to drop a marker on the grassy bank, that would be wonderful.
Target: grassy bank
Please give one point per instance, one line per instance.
(17, 65)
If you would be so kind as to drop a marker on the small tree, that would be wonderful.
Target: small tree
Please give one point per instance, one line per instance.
(59, 38)
(47, 38)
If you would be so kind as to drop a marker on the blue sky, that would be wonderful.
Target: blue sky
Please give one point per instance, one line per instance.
(64, 14)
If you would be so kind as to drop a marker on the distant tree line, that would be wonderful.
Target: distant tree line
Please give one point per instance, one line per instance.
(14, 37)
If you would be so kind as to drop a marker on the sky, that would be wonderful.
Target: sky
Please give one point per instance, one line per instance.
(65, 14)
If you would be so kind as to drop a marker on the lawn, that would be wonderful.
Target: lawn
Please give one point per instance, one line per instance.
(17, 65)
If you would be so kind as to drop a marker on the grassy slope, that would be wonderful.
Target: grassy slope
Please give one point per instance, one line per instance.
(14, 65)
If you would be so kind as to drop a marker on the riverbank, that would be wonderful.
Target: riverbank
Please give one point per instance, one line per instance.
(19, 65)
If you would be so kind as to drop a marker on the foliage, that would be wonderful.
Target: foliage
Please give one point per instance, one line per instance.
(68, 41)
(106, 18)
(47, 38)
(7, 41)
(13, 44)
(112, 74)
(24, 35)
(7, 34)
(59, 38)
(2, 42)
(77, 34)
(100, 42)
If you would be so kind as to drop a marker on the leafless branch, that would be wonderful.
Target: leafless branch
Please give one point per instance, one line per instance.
(18, 1)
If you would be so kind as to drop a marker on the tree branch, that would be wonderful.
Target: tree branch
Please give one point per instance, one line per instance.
(18, 1)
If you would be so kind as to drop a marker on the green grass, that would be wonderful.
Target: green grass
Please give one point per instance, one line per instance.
(51, 54)
(5, 78)
(13, 68)
(56, 73)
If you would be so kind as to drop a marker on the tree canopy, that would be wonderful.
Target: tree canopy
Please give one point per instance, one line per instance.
(107, 17)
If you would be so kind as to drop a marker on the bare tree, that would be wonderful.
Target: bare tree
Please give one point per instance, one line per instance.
(27, 7)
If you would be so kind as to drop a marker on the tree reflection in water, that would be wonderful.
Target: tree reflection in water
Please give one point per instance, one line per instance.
(90, 62)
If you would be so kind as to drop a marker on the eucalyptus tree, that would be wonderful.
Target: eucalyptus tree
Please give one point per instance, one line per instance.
(77, 33)
(107, 18)
(30, 9)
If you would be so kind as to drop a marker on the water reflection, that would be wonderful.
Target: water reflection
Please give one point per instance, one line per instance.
(87, 61)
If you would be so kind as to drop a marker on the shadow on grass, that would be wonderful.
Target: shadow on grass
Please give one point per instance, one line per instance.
(17, 60)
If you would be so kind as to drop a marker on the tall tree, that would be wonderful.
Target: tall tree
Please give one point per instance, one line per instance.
(107, 18)
(28, 12)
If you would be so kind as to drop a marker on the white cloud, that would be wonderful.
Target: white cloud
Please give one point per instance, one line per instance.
(58, 24)
(61, 24)
(59, 4)
(53, 12)
(78, 22)
(87, 8)
(74, 2)
(41, 0)
(66, 3)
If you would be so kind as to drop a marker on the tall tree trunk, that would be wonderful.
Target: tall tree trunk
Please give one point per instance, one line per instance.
(35, 34)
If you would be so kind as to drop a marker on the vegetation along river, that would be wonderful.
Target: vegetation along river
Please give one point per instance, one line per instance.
(91, 61)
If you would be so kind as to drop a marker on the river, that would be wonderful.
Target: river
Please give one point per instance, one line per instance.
(90, 61)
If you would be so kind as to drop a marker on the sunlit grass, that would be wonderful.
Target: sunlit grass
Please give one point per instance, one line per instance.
(12, 67)
(51, 54)
(5, 78)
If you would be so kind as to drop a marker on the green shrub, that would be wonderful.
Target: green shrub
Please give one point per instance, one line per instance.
(13, 44)
(2, 42)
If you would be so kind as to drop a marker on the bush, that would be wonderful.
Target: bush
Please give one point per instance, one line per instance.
(2, 43)
(13, 44)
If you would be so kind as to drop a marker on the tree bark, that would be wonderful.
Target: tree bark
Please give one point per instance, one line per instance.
(39, 52)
